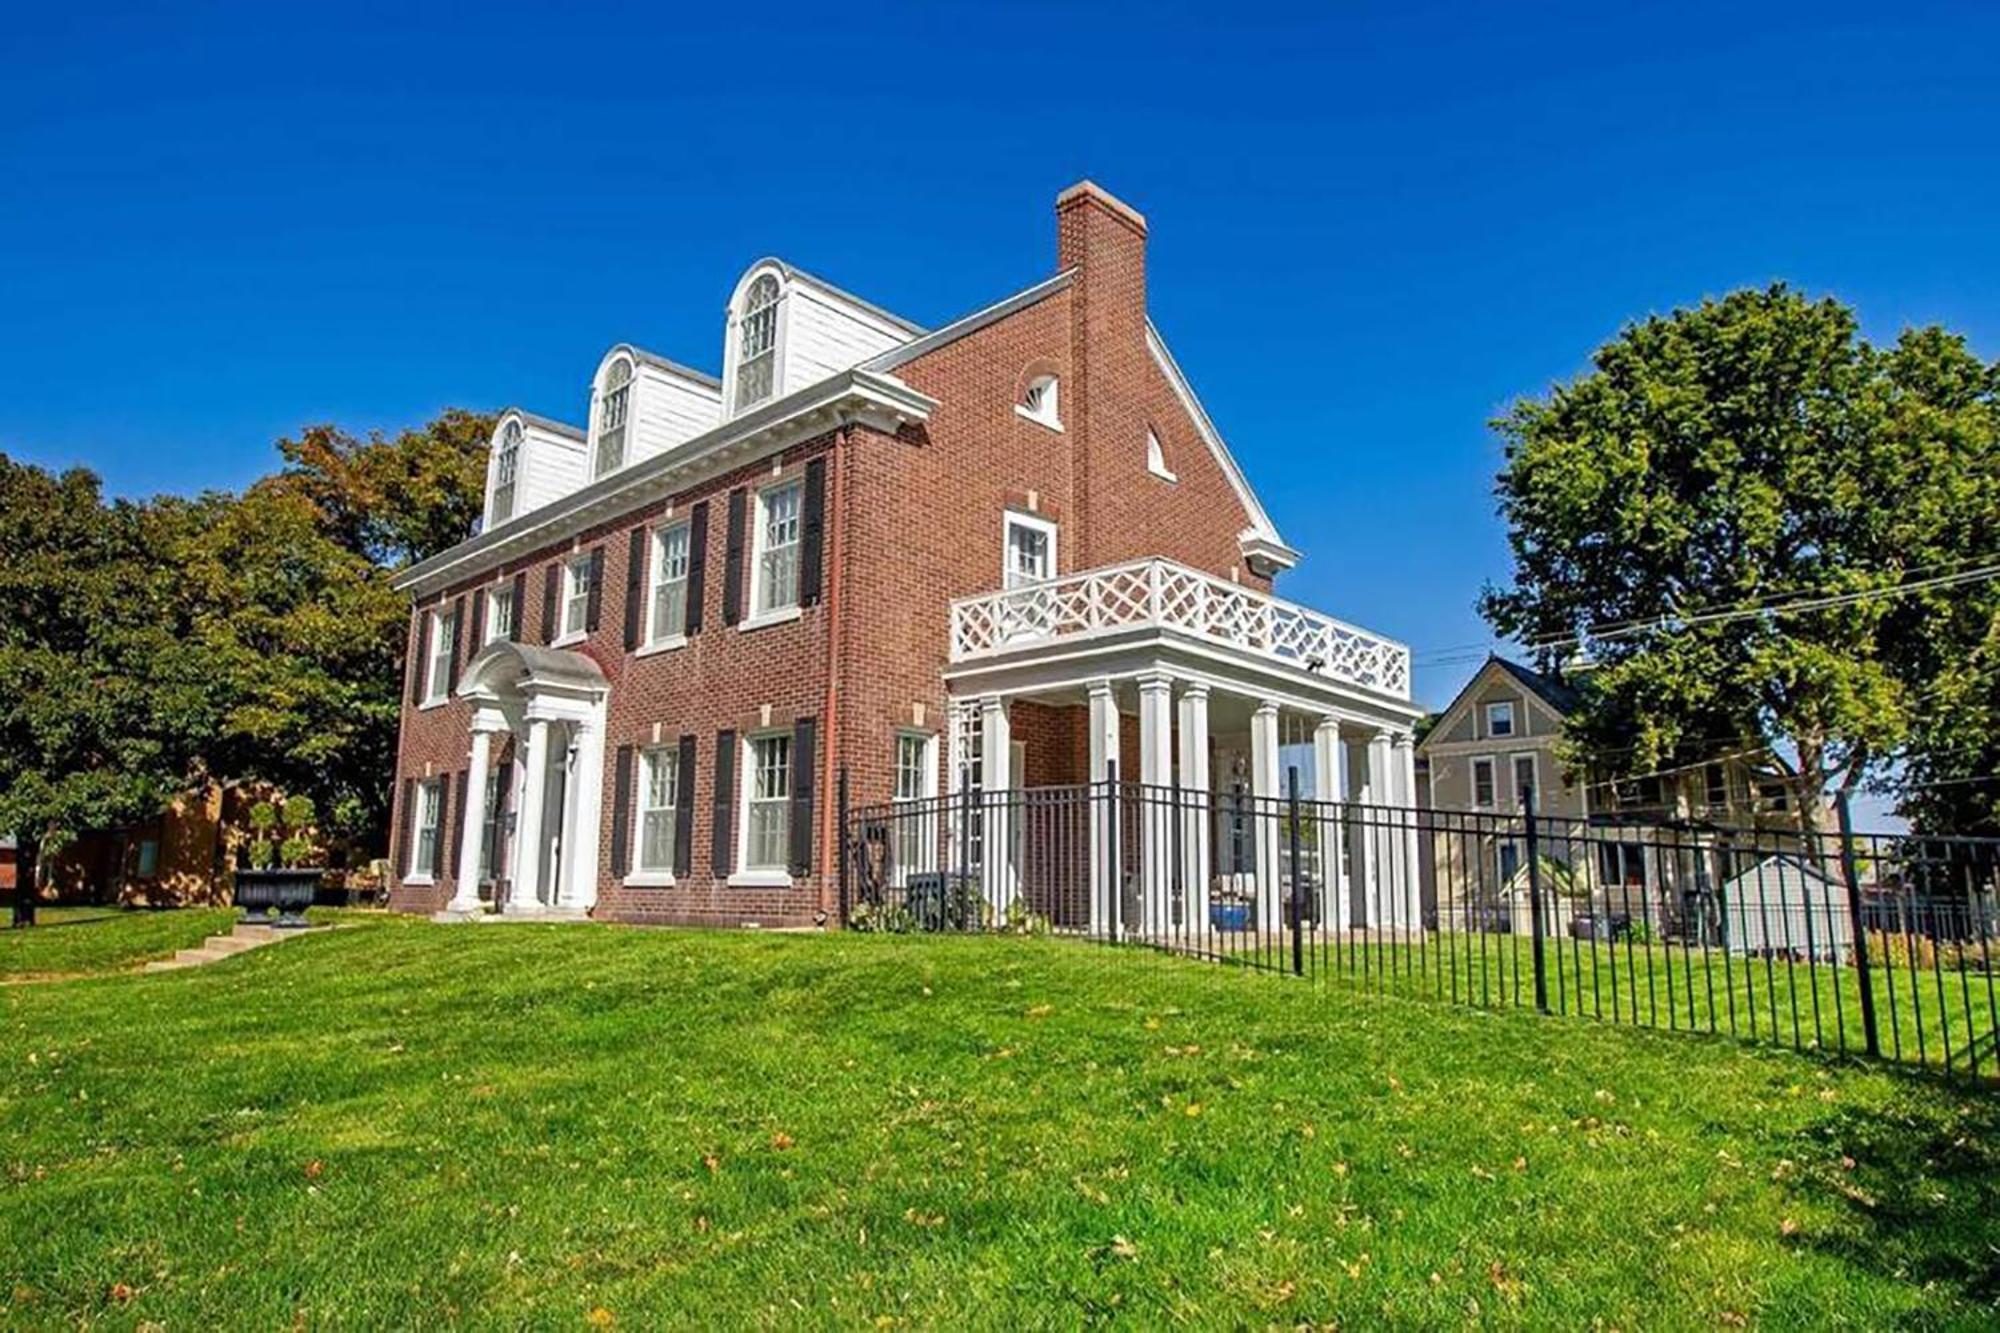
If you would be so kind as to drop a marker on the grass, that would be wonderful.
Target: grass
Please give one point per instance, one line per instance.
(406, 1124)
(72, 941)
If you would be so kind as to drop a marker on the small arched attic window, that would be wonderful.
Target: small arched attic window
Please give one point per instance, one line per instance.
(614, 402)
(506, 467)
(1156, 457)
(757, 342)
(1041, 401)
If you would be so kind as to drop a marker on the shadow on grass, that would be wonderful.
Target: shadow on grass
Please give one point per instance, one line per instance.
(1915, 1188)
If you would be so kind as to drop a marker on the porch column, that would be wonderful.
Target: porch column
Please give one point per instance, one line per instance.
(578, 891)
(1103, 807)
(1266, 815)
(1156, 750)
(478, 766)
(1406, 913)
(997, 799)
(1195, 804)
(1332, 824)
(525, 896)
(1382, 832)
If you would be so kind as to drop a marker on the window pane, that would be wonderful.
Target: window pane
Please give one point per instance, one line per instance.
(425, 861)
(778, 561)
(657, 786)
(770, 824)
(441, 634)
(576, 611)
(670, 584)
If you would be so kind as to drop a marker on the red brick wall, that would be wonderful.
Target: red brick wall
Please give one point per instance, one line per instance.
(912, 522)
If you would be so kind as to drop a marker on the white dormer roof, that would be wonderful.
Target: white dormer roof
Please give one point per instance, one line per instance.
(784, 329)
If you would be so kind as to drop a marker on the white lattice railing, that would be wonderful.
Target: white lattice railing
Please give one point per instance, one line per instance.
(1172, 596)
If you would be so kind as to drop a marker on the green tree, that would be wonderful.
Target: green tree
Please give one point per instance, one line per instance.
(102, 704)
(1683, 513)
(394, 499)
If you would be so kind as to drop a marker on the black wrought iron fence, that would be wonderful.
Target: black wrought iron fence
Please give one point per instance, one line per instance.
(1826, 938)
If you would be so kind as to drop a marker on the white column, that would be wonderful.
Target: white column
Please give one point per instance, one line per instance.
(1407, 912)
(466, 898)
(586, 810)
(1156, 749)
(524, 897)
(1332, 823)
(997, 815)
(1382, 832)
(1196, 800)
(1266, 816)
(1103, 806)
(1360, 835)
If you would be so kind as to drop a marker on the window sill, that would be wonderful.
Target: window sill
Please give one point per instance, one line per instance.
(782, 616)
(418, 881)
(761, 879)
(1163, 474)
(666, 645)
(649, 879)
(567, 640)
(1046, 423)
(428, 704)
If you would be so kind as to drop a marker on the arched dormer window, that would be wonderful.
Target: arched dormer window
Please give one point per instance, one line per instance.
(1041, 401)
(506, 467)
(614, 402)
(757, 343)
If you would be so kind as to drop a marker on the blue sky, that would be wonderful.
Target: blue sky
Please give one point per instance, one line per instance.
(1371, 226)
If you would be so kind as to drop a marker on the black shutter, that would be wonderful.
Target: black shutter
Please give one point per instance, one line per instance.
(812, 532)
(635, 578)
(596, 601)
(417, 657)
(549, 581)
(732, 561)
(406, 825)
(458, 829)
(802, 796)
(684, 808)
(477, 639)
(697, 560)
(457, 639)
(519, 614)
(496, 835)
(441, 841)
(722, 851)
(621, 813)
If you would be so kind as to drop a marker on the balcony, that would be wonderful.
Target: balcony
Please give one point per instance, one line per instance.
(1161, 595)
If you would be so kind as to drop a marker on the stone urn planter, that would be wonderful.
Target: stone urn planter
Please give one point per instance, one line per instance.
(287, 891)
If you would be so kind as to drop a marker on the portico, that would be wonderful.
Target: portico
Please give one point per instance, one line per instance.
(1201, 698)
(547, 706)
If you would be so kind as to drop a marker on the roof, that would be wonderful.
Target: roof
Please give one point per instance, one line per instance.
(659, 362)
(515, 664)
(1786, 861)
(969, 324)
(796, 274)
(1563, 698)
(546, 423)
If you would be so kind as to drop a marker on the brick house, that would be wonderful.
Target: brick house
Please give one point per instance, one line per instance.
(1007, 553)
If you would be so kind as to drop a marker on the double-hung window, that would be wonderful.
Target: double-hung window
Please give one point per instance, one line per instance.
(768, 827)
(1500, 718)
(506, 467)
(424, 857)
(1524, 779)
(1482, 782)
(670, 584)
(1028, 563)
(437, 667)
(576, 595)
(659, 777)
(776, 578)
(489, 828)
(500, 613)
(915, 809)
(613, 404)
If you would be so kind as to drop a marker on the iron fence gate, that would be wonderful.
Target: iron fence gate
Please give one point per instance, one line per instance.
(1827, 939)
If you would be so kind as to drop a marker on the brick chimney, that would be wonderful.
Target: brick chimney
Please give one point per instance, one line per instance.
(1104, 239)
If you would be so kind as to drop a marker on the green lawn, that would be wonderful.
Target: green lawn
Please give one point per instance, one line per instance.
(66, 941)
(401, 1124)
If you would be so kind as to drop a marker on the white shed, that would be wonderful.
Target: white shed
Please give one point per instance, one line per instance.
(1785, 907)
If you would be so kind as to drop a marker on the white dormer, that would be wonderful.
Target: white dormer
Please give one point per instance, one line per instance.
(532, 461)
(787, 329)
(642, 404)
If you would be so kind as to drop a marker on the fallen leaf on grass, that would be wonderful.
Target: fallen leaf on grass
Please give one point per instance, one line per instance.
(599, 1318)
(781, 1141)
(121, 1292)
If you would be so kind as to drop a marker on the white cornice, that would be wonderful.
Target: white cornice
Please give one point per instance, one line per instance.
(877, 400)
(1271, 545)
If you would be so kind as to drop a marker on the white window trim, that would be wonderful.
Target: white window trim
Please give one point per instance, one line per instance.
(777, 615)
(575, 583)
(1514, 775)
(504, 588)
(1013, 518)
(732, 380)
(1156, 457)
(597, 411)
(1492, 763)
(640, 878)
(1513, 720)
(434, 622)
(761, 877)
(655, 541)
